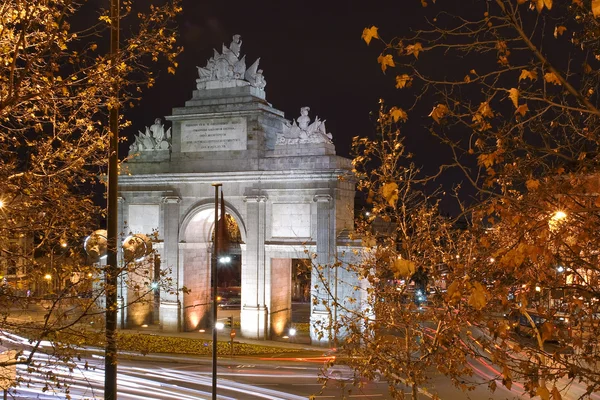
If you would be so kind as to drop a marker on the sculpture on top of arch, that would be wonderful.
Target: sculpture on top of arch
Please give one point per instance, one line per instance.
(228, 70)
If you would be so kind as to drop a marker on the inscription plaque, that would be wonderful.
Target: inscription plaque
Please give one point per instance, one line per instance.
(216, 134)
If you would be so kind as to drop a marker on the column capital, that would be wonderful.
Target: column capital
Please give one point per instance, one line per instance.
(322, 198)
(255, 199)
(171, 200)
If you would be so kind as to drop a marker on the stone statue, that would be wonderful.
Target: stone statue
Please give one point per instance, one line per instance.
(304, 119)
(239, 68)
(153, 138)
(158, 130)
(255, 76)
(207, 73)
(236, 45)
(259, 80)
(304, 131)
(227, 69)
(146, 139)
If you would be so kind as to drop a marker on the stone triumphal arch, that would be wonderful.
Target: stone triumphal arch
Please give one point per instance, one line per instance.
(281, 183)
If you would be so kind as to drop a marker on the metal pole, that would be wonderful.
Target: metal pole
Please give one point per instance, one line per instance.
(111, 271)
(213, 276)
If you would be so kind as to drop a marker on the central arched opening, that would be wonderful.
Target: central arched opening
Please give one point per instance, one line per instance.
(229, 277)
(196, 254)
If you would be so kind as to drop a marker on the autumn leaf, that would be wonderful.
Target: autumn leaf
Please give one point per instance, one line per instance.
(485, 110)
(454, 294)
(404, 268)
(556, 394)
(550, 77)
(478, 297)
(487, 160)
(398, 114)
(414, 49)
(506, 377)
(370, 33)
(403, 81)
(389, 191)
(369, 241)
(513, 94)
(547, 330)
(522, 109)
(543, 392)
(539, 5)
(386, 61)
(525, 74)
(532, 184)
(559, 30)
(596, 8)
(438, 112)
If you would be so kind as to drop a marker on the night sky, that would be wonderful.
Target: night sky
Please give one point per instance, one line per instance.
(311, 53)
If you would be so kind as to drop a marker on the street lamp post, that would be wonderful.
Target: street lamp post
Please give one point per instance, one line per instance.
(215, 292)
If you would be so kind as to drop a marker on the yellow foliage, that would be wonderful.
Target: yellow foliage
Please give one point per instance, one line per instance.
(403, 81)
(453, 292)
(438, 112)
(398, 114)
(370, 33)
(539, 5)
(559, 30)
(547, 330)
(556, 394)
(478, 297)
(389, 191)
(596, 8)
(484, 110)
(543, 392)
(550, 77)
(513, 95)
(369, 241)
(487, 160)
(525, 74)
(532, 184)
(386, 61)
(522, 109)
(403, 268)
(414, 49)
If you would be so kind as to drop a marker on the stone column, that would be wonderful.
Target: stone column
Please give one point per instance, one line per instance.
(254, 313)
(322, 313)
(170, 303)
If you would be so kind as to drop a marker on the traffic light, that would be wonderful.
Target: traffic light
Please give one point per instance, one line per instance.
(230, 322)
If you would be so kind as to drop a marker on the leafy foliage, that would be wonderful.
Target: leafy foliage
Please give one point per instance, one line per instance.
(519, 114)
(56, 88)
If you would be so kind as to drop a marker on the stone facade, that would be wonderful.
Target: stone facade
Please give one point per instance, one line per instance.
(285, 194)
